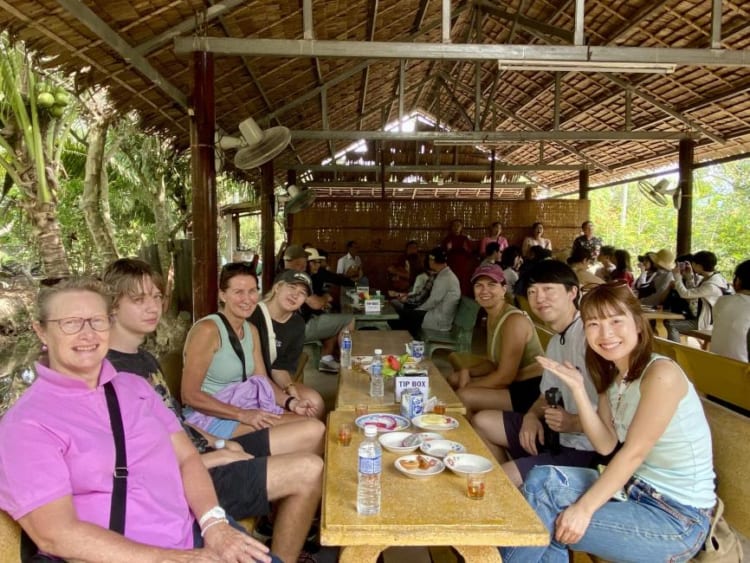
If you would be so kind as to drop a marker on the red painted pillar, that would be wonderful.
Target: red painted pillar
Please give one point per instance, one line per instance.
(205, 251)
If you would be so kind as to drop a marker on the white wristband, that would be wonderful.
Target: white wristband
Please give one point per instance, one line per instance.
(215, 512)
(211, 524)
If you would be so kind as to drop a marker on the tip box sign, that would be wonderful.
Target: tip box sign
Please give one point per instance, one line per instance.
(372, 306)
(419, 379)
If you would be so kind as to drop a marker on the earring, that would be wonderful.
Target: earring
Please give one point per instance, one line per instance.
(44, 348)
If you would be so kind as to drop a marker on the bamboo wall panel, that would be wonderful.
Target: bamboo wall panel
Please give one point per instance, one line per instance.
(382, 228)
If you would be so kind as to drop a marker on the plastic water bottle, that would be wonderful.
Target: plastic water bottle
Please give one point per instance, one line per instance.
(370, 467)
(377, 388)
(346, 350)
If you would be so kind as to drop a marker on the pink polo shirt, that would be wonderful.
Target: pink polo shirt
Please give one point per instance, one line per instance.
(57, 441)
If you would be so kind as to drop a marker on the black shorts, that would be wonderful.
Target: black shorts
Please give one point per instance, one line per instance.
(524, 393)
(525, 462)
(256, 443)
(241, 487)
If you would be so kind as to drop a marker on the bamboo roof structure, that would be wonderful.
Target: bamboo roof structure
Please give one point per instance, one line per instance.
(546, 88)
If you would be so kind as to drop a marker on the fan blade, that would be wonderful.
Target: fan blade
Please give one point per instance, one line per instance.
(649, 193)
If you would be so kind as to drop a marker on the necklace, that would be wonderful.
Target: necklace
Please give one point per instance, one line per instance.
(622, 386)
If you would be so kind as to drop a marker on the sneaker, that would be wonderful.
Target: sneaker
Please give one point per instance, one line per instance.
(329, 366)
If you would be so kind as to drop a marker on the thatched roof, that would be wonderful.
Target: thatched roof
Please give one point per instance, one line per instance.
(616, 124)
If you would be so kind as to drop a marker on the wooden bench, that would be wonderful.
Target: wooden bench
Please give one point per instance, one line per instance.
(10, 537)
(717, 376)
(460, 335)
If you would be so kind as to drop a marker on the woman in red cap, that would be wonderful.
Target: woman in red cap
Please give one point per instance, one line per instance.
(508, 377)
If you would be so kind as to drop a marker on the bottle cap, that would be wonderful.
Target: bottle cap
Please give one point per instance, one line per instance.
(371, 430)
(378, 352)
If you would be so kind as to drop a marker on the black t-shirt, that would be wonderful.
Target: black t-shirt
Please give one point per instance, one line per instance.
(290, 339)
(144, 364)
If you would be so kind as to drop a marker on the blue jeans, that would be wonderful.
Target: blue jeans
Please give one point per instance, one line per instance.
(648, 527)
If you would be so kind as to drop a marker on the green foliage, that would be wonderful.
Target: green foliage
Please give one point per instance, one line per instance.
(721, 199)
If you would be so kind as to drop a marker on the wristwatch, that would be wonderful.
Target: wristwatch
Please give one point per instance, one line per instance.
(220, 444)
(215, 513)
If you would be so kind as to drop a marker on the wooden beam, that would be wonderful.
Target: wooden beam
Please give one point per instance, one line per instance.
(583, 55)
(97, 26)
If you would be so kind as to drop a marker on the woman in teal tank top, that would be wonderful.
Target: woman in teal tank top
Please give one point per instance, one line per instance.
(211, 364)
(654, 500)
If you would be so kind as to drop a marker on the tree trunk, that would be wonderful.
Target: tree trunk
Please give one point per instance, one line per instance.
(94, 201)
(46, 229)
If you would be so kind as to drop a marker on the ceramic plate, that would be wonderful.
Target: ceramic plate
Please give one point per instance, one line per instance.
(384, 421)
(394, 442)
(467, 463)
(441, 448)
(434, 422)
(435, 466)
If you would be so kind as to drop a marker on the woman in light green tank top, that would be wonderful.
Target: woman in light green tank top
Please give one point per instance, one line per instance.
(508, 377)
(653, 501)
(212, 364)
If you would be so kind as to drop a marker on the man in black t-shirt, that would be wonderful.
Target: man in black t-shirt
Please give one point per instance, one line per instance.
(246, 471)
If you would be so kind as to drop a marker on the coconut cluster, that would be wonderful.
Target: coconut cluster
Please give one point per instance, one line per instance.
(52, 98)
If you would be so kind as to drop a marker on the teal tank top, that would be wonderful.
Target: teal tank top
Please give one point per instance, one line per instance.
(226, 367)
(680, 465)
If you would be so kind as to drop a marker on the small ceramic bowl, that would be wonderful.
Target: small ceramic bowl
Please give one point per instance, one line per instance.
(441, 448)
(463, 464)
(394, 442)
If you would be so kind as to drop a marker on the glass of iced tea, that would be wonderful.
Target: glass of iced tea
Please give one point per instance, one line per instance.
(345, 434)
(475, 486)
(439, 407)
(361, 410)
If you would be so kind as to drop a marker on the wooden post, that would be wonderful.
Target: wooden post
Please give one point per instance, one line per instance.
(685, 213)
(492, 175)
(383, 179)
(291, 179)
(267, 212)
(583, 183)
(205, 253)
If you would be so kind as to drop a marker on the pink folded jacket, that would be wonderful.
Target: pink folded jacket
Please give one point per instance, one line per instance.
(254, 393)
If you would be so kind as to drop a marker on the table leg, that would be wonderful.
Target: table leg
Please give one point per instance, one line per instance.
(360, 553)
(661, 330)
(479, 553)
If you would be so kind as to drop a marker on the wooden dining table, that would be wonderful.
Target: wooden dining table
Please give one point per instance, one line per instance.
(354, 384)
(659, 317)
(369, 320)
(429, 512)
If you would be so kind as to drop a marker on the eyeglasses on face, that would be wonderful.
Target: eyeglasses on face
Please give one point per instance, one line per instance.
(74, 325)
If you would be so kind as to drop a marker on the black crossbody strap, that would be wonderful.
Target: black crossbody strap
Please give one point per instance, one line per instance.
(235, 342)
(120, 473)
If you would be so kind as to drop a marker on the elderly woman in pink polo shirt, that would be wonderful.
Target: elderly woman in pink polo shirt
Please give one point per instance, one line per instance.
(57, 453)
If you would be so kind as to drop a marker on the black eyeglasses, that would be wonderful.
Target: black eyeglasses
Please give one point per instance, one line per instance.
(74, 325)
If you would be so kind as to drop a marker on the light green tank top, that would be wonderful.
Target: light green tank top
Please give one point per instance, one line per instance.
(226, 367)
(680, 464)
(532, 349)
